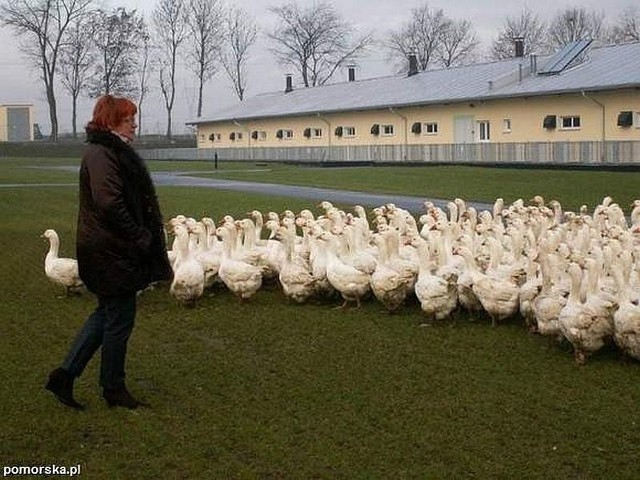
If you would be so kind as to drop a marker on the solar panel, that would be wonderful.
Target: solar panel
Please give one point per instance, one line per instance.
(561, 59)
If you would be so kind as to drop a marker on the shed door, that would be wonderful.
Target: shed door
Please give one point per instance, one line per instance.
(18, 127)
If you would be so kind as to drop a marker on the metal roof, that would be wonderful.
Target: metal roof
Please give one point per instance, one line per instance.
(605, 68)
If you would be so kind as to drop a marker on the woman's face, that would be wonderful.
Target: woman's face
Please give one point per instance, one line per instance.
(127, 127)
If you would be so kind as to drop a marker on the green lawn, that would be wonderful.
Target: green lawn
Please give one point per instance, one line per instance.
(269, 389)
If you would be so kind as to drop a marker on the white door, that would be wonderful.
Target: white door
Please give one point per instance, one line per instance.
(463, 134)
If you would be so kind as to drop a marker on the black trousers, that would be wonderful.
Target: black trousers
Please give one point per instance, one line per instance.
(109, 327)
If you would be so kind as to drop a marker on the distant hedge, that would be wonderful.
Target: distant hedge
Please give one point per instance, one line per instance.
(75, 147)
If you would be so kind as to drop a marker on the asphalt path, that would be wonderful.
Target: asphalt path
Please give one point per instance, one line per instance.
(345, 197)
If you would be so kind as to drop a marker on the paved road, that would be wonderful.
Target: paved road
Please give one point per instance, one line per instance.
(345, 197)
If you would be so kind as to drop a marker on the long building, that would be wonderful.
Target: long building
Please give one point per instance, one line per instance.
(580, 104)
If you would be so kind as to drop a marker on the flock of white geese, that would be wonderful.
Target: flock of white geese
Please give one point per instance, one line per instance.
(569, 275)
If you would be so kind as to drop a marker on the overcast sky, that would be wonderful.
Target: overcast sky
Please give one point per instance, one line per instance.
(19, 82)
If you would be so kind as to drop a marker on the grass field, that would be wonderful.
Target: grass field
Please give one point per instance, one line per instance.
(274, 390)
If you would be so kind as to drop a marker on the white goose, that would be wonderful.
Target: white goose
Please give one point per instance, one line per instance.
(353, 284)
(297, 281)
(438, 297)
(626, 320)
(62, 271)
(498, 296)
(389, 286)
(188, 274)
(242, 278)
(586, 325)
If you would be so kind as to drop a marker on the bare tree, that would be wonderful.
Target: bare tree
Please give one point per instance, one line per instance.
(43, 24)
(75, 64)
(144, 72)
(420, 35)
(241, 33)
(457, 45)
(171, 28)
(528, 27)
(314, 40)
(574, 24)
(117, 38)
(206, 35)
(627, 29)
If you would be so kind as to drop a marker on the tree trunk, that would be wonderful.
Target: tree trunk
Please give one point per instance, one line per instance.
(169, 123)
(74, 115)
(200, 88)
(53, 115)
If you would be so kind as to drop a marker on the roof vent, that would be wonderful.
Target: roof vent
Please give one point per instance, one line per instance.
(288, 83)
(413, 64)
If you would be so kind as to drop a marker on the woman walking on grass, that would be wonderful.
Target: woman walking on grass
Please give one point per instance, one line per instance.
(120, 249)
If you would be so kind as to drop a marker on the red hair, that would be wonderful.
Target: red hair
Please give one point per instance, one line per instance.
(109, 112)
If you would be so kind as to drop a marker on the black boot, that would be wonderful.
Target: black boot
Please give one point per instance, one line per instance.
(122, 398)
(60, 383)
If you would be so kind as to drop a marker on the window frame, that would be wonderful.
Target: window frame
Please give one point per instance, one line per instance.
(348, 132)
(506, 125)
(573, 125)
(430, 128)
(484, 131)
(387, 130)
(287, 134)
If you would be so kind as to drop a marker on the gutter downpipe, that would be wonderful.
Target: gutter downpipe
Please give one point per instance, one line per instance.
(405, 146)
(328, 135)
(601, 105)
(248, 132)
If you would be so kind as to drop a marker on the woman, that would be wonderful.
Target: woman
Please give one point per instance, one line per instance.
(120, 248)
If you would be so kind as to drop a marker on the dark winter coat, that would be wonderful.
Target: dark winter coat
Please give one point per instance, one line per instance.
(120, 239)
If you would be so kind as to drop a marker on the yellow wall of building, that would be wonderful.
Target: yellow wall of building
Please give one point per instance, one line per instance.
(3, 124)
(525, 114)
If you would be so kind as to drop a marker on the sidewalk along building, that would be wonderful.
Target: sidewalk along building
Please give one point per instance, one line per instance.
(16, 123)
(578, 105)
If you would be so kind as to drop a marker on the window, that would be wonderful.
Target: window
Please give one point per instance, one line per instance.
(312, 132)
(348, 132)
(636, 119)
(262, 136)
(549, 122)
(506, 125)
(238, 135)
(287, 134)
(571, 122)
(430, 128)
(214, 137)
(484, 131)
(387, 130)
(202, 137)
